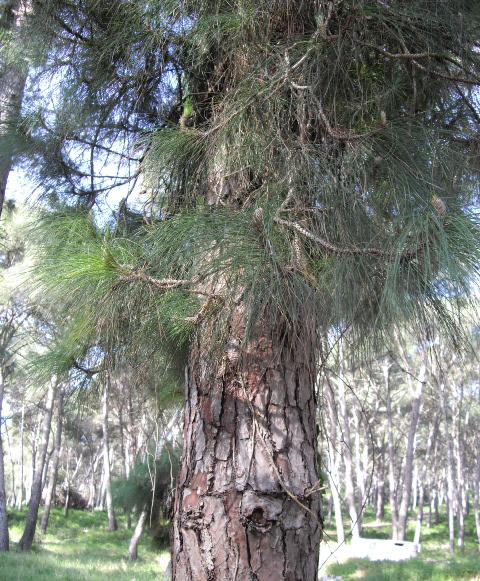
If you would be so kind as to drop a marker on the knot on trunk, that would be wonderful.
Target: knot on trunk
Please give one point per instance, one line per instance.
(260, 513)
(192, 518)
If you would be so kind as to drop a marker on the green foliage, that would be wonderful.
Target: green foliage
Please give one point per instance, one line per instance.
(148, 484)
(360, 158)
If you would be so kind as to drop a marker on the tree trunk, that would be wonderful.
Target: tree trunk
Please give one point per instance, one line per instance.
(409, 455)
(4, 540)
(31, 523)
(137, 533)
(476, 501)
(450, 470)
(126, 467)
(21, 496)
(247, 503)
(421, 480)
(334, 456)
(348, 460)
(380, 505)
(459, 447)
(56, 457)
(12, 86)
(391, 454)
(12, 464)
(112, 522)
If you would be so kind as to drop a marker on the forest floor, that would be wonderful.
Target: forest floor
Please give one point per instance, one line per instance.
(433, 563)
(79, 548)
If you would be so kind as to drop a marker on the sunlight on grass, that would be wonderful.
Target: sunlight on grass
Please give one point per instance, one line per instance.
(79, 548)
(433, 564)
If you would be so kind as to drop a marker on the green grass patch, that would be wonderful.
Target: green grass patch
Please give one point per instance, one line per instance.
(79, 548)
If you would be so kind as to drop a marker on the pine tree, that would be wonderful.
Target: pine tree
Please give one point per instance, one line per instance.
(312, 165)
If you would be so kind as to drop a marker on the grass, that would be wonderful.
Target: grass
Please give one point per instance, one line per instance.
(433, 564)
(79, 548)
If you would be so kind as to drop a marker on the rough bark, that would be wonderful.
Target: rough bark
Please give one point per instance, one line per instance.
(56, 457)
(4, 540)
(409, 455)
(112, 522)
(36, 494)
(247, 503)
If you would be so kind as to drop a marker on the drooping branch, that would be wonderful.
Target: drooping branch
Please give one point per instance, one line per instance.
(328, 246)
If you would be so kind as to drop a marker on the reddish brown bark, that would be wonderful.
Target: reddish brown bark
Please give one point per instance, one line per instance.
(235, 518)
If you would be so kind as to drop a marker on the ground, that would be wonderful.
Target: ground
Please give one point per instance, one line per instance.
(433, 564)
(79, 548)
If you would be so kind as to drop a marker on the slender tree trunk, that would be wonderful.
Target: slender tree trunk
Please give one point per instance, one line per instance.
(391, 454)
(4, 540)
(409, 455)
(31, 523)
(137, 533)
(12, 86)
(450, 469)
(35, 444)
(12, 464)
(359, 449)
(460, 474)
(348, 458)
(112, 522)
(476, 501)
(126, 468)
(56, 457)
(421, 480)
(21, 496)
(247, 503)
(380, 505)
(334, 458)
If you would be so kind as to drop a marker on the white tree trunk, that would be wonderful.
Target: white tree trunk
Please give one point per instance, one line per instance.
(112, 522)
(36, 494)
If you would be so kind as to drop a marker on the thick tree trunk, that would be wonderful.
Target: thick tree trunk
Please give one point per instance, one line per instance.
(56, 457)
(112, 522)
(137, 533)
(4, 540)
(409, 455)
(31, 523)
(247, 503)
